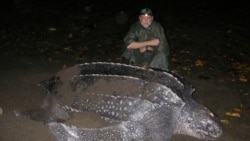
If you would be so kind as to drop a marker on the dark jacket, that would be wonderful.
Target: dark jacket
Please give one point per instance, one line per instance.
(159, 57)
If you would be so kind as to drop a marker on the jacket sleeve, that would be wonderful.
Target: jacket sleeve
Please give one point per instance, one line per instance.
(163, 46)
(131, 36)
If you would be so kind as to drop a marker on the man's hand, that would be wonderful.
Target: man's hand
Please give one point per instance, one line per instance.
(143, 49)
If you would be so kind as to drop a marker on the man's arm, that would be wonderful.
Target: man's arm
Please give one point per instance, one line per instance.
(143, 44)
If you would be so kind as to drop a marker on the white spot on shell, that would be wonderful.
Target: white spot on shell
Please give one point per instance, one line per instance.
(125, 108)
(129, 103)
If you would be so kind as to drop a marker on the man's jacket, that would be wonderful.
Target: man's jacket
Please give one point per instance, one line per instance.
(159, 57)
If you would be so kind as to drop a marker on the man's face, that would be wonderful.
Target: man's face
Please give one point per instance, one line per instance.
(146, 20)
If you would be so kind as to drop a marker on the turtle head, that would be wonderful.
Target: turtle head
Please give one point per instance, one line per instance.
(199, 122)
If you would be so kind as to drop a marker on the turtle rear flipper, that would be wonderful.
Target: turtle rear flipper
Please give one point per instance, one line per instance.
(22, 114)
(49, 111)
(37, 115)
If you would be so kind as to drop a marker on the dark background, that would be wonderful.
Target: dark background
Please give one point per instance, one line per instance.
(89, 28)
(209, 45)
(34, 10)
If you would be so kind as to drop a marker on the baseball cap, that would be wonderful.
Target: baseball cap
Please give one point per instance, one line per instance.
(146, 11)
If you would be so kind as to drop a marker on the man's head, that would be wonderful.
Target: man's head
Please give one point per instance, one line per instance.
(146, 17)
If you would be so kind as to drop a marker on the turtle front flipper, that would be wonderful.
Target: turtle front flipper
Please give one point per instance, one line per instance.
(120, 132)
(154, 126)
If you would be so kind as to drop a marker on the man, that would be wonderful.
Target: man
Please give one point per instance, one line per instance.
(146, 43)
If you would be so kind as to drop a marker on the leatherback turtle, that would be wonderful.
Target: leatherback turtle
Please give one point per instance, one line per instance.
(139, 104)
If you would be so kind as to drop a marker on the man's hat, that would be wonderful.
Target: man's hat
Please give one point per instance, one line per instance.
(146, 11)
